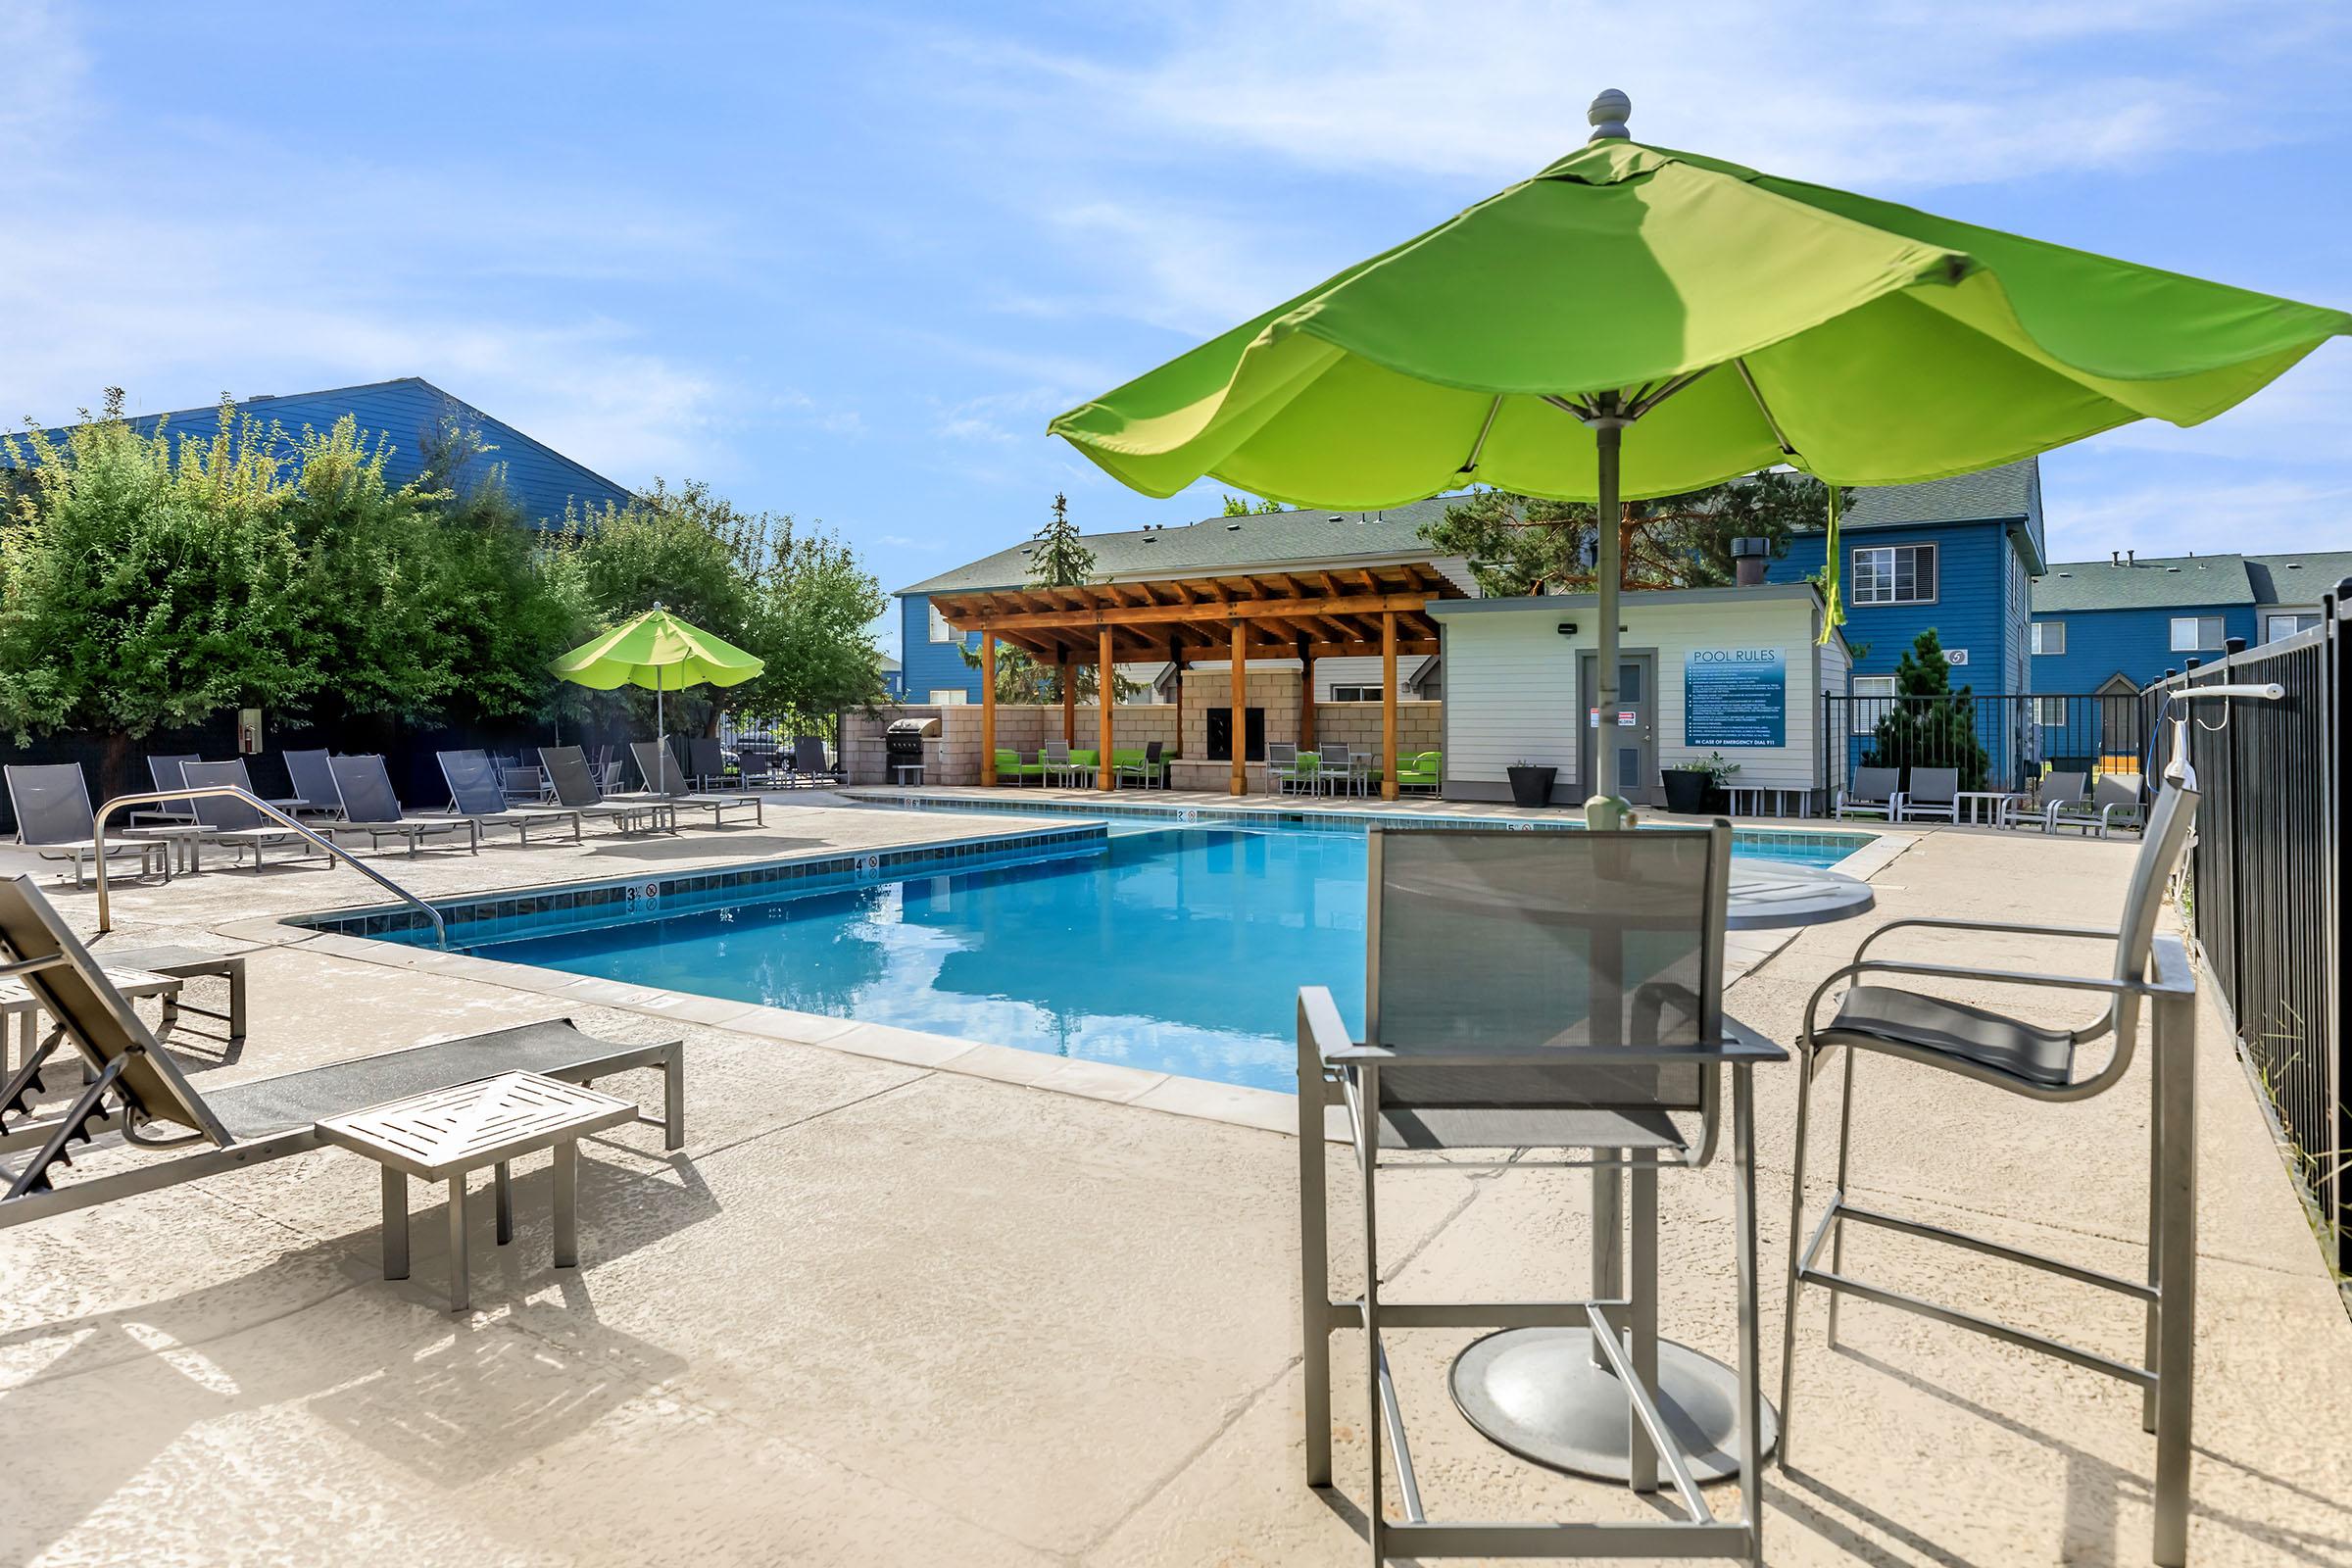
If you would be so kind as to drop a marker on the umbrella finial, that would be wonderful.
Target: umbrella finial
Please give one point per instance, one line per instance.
(1607, 115)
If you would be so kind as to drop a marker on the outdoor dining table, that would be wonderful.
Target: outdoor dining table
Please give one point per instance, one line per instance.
(1546, 1393)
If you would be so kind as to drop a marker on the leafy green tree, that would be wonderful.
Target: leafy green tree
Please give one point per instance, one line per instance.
(812, 605)
(1527, 545)
(1929, 724)
(146, 583)
(1245, 506)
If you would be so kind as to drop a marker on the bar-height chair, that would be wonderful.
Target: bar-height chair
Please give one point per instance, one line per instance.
(1538, 991)
(1934, 793)
(1875, 791)
(54, 819)
(2035, 1061)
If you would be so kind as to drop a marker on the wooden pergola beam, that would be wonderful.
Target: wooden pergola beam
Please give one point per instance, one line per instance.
(1372, 602)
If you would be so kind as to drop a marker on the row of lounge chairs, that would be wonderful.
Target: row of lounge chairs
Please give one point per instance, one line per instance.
(348, 800)
(2055, 801)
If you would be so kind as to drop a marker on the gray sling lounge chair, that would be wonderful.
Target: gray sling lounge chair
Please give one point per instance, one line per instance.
(2057, 794)
(706, 762)
(1875, 791)
(1538, 991)
(370, 807)
(311, 776)
(567, 771)
(474, 793)
(1933, 792)
(225, 819)
(808, 764)
(51, 803)
(2035, 1061)
(165, 772)
(665, 780)
(2114, 803)
(139, 1091)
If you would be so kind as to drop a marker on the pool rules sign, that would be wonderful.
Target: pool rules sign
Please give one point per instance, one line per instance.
(1734, 697)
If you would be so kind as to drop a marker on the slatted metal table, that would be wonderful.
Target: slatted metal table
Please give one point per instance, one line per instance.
(187, 963)
(448, 1134)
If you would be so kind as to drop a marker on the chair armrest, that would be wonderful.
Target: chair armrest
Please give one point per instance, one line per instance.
(1739, 1045)
(2018, 977)
(1319, 1023)
(1949, 924)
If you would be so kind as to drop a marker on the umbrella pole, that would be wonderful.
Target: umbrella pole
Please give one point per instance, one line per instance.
(1604, 807)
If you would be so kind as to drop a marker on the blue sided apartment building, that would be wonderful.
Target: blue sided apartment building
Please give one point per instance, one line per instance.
(2112, 626)
(408, 413)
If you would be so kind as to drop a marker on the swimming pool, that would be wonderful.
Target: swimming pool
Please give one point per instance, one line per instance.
(1168, 945)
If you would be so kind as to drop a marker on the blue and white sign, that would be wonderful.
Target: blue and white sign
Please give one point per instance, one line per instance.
(1734, 697)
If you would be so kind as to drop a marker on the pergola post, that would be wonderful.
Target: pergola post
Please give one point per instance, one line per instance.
(1388, 705)
(1307, 696)
(1239, 784)
(1176, 658)
(1063, 679)
(988, 709)
(1106, 686)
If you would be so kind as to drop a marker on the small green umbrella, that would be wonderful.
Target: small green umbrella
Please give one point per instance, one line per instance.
(1728, 320)
(660, 651)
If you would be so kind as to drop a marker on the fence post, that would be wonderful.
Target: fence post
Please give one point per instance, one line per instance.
(2336, 735)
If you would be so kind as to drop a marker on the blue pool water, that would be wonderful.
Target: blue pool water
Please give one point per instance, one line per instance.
(1178, 949)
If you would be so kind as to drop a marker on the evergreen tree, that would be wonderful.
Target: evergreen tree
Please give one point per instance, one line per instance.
(1929, 724)
(1060, 558)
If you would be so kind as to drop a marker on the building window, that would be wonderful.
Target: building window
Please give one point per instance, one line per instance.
(2049, 712)
(949, 697)
(2050, 636)
(1874, 697)
(941, 631)
(1896, 575)
(1356, 693)
(2193, 634)
(2286, 624)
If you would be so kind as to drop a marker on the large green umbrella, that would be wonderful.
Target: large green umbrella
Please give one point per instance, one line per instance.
(1730, 319)
(660, 651)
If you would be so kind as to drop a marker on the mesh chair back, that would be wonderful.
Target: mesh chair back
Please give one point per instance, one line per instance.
(1563, 939)
(165, 772)
(473, 787)
(1333, 753)
(2160, 847)
(1935, 786)
(705, 759)
(2059, 788)
(1058, 751)
(658, 766)
(367, 790)
(222, 812)
(1876, 784)
(808, 754)
(51, 803)
(1281, 753)
(567, 771)
(1152, 752)
(312, 778)
(93, 1014)
(2115, 789)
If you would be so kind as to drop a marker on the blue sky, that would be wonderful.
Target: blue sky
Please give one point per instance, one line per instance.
(843, 261)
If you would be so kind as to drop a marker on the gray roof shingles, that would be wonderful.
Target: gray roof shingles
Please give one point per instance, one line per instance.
(2152, 583)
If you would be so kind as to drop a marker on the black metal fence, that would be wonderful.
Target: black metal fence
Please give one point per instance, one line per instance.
(1997, 743)
(2265, 898)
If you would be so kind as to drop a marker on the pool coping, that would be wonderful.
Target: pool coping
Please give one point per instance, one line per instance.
(1174, 1093)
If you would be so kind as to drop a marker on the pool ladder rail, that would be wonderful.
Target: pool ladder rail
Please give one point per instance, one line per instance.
(332, 849)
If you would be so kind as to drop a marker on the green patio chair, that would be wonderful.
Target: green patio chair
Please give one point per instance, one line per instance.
(1421, 771)
(1084, 764)
(1011, 766)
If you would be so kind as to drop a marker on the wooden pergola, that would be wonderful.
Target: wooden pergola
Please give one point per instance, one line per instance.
(1303, 614)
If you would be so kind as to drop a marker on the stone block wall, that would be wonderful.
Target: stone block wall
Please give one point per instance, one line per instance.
(1205, 687)
(1420, 726)
(954, 756)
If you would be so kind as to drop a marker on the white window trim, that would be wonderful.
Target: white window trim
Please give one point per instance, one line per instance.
(938, 627)
(1934, 552)
(2041, 630)
(2269, 615)
(2041, 712)
(948, 697)
(1870, 705)
(2196, 643)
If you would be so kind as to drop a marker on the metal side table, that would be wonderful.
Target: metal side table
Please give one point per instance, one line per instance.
(448, 1134)
(1551, 1394)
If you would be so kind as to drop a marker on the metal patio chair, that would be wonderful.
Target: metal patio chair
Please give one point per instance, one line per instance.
(1875, 791)
(1056, 760)
(2115, 802)
(312, 776)
(1333, 771)
(1282, 766)
(665, 779)
(2055, 793)
(52, 803)
(225, 819)
(1538, 991)
(1933, 792)
(370, 806)
(2037, 1063)
(809, 763)
(138, 1090)
(575, 791)
(1144, 767)
(706, 761)
(475, 796)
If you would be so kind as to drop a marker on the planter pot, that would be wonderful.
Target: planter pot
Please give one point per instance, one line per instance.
(1687, 790)
(1532, 786)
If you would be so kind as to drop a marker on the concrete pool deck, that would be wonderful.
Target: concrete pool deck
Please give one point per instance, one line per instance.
(881, 1312)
